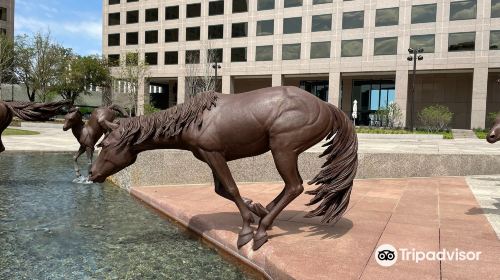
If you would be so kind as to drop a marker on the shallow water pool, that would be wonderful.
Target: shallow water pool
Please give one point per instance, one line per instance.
(51, 228)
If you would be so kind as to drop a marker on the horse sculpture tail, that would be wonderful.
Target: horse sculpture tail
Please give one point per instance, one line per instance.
(119, 110)
(31, 111)
(336, 177)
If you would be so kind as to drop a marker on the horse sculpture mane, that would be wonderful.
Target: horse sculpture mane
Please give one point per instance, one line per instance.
(169, 122)
(31, 111)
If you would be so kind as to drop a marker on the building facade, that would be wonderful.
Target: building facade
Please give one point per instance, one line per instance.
(340, 51)
(7, 17)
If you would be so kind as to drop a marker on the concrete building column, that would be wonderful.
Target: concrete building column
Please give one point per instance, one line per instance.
(334, 89)
(479, 95)
(181, 89)
(402, 94)
(227, 84)
(277, 80)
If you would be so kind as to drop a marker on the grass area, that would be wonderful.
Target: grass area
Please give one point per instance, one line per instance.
(446, 134)
(481, 133)
(12, 131)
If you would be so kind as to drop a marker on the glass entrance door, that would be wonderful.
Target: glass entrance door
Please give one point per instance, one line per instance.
(372, 95)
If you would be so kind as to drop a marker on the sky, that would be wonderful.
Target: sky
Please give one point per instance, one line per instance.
(75, 24)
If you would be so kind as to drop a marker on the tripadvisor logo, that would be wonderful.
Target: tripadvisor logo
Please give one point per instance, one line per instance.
(387, 255)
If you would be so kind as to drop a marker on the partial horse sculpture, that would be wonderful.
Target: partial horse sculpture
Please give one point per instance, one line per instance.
(27, 111)
(87, 134)
(218, 128)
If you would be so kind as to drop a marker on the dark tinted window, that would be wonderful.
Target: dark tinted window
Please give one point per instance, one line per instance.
(239, 30)
(265, 27)
(132, 38)
(171, 35)
(351, 48)
(427, 42)
(193, 57)
(320, 50)
(114, 19)
(463, 10)
(151, 58)
(240, 6)
(317, 2)
(386, 46)
(352, 20)
(151, 37)
(290, 51)
(114, 39)
(216, 31)
(495, 40)
(193, 10)
(171, 58)
(321, 23)
(265, 5)
(113, 2)
(292, 3)
(172, 12)
(129, 1)
(292, 25)
(132, 16)
(192, 33)
(216, 8)
(264, 53)
(151, 15)
(238, 54)
(495, 8)
(114, 60)
(387, 17)
(463, 41)
(423, 13)
(214, 55)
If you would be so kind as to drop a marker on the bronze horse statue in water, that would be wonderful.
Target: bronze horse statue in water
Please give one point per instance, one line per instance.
(88, 134)
(27, 111)
(218, 128)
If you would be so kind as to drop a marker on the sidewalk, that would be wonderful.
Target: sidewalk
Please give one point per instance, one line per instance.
(49, 140)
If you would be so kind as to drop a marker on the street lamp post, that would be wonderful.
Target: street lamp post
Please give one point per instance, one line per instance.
(216, 66)
(414, 56)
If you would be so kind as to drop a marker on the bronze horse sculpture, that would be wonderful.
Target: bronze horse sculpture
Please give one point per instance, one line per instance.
(28, 111)
(88, 134)
(494, 133)
(218, 128)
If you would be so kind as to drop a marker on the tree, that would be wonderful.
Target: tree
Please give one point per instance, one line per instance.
(133, 72)
(6, 60)
(200, 75)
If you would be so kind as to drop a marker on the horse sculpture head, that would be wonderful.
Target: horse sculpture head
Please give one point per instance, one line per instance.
(494, 134)
(72, 118)
(115, 154)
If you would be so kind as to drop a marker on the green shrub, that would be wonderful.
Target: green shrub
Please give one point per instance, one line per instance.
(435, 118)
(150, 109)
(389, 116)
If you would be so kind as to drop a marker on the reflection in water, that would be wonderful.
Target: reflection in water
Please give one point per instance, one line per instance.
(51, 228)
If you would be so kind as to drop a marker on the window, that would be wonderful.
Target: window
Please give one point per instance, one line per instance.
(292, 3)
(321, 23)
(265, 5)
(240, 6)
(132, 17)
(192, 33)
(216, 8)
(132, 59)
(114, 60)
(151, 58)
(495, 8)
(290, 51)
(193, 10)
(351, 48)
(113, 39)
(463, 41)
(172, 12)
(132, 38)
(264, 53)
(114, 19)
(151, 37)
(171, 35)
(386, 46)
(238, 54)
(427, 42)
(151, 15)
(463, 10)
(129, 1)
(3, 31)
(113, 2)
(352, 20)
(423, 13)
(387, 17)
(495, 40)
(320, 50)
(171, 58)
(317, 2)
(3, 13)
(216, 31)
(193, 57)
(239, 30)
(214, 55)
(265, 27)
(292, 25)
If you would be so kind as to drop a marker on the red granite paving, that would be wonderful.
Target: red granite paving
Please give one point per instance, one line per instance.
(427, 214)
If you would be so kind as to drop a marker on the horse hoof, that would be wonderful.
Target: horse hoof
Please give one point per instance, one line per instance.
(257, 243)
(259, 210)
(244, 239)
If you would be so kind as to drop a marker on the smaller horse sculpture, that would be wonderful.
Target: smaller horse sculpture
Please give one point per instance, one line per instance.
(218, 128)
(28, 111)
(87, 134)
(494, 134)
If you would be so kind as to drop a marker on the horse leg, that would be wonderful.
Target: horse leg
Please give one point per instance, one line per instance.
(278, 198)
(90, 158)
(286, 163)
(75, 160)
(256, 208)
(219, 166)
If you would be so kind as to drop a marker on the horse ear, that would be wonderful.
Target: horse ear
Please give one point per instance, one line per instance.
(109, 125)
